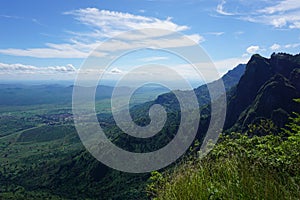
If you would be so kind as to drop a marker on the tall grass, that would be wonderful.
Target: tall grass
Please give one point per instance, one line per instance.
(239, 167)
(234, 178)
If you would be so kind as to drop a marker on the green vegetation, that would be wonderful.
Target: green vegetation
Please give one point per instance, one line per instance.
(41, 156)
(239, 167)
(46, 133)
(48, 161)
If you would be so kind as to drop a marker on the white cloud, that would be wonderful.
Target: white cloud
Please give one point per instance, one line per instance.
(257, 49)
(220, 8)
(279, 22)
(21, 68)
(10, 16)
(279, 14)
(245, 55)
(284, 14)
(16, 67)
(111, 22)
(283, 6)
(224, 65)
(116, 71)
(118, 44)
(106, 24)
(196, 38)
(69, 71)
(47, 52)
(155, 58)
(67, 68)
(288, 46)
(215, 33)
(275, 47)
(295, 25)
(239, 32)
(253, 49)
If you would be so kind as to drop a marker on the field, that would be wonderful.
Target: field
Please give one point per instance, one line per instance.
(40, 151)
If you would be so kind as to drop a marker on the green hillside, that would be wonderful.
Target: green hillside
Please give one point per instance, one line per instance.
(257, 156)
(239, 167)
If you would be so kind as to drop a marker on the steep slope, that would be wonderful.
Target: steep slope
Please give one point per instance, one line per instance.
(140, 114)
(230, 79)
(266, 90)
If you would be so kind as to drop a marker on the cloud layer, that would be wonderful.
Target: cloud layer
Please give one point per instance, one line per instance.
(110, 23)
(29, 69)
(279, 14)
(105, 24)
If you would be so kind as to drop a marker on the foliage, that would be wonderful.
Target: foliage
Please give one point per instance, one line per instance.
(46, 133)
(263, 127)
(42, 158)
(239, 167)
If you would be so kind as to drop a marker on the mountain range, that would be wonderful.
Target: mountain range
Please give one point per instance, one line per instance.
(262, 89)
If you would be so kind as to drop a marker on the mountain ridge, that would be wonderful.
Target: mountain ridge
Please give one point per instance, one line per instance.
(276, 77)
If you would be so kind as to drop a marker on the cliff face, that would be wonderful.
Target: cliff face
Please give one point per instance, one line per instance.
(266, 90)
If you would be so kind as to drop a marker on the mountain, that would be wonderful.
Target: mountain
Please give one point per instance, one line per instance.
(230, 79)
(140, 115)
(264, 88)
(265, 91)
(259, 152)
(110, 184)
(41, 155)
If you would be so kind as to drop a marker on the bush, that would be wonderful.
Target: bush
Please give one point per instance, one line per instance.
(239, 167)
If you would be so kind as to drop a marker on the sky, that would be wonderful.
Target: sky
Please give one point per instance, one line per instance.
(51, 39)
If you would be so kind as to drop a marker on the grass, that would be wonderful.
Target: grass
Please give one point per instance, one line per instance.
(234, 178)
(239, 167)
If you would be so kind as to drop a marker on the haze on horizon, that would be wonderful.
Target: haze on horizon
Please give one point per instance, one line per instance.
(52, 43)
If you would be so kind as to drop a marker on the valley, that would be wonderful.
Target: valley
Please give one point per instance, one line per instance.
(42, 157)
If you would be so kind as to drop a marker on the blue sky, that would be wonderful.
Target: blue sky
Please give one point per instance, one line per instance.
(51, 39)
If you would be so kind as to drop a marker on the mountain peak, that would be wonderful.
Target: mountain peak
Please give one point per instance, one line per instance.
(263, 76)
